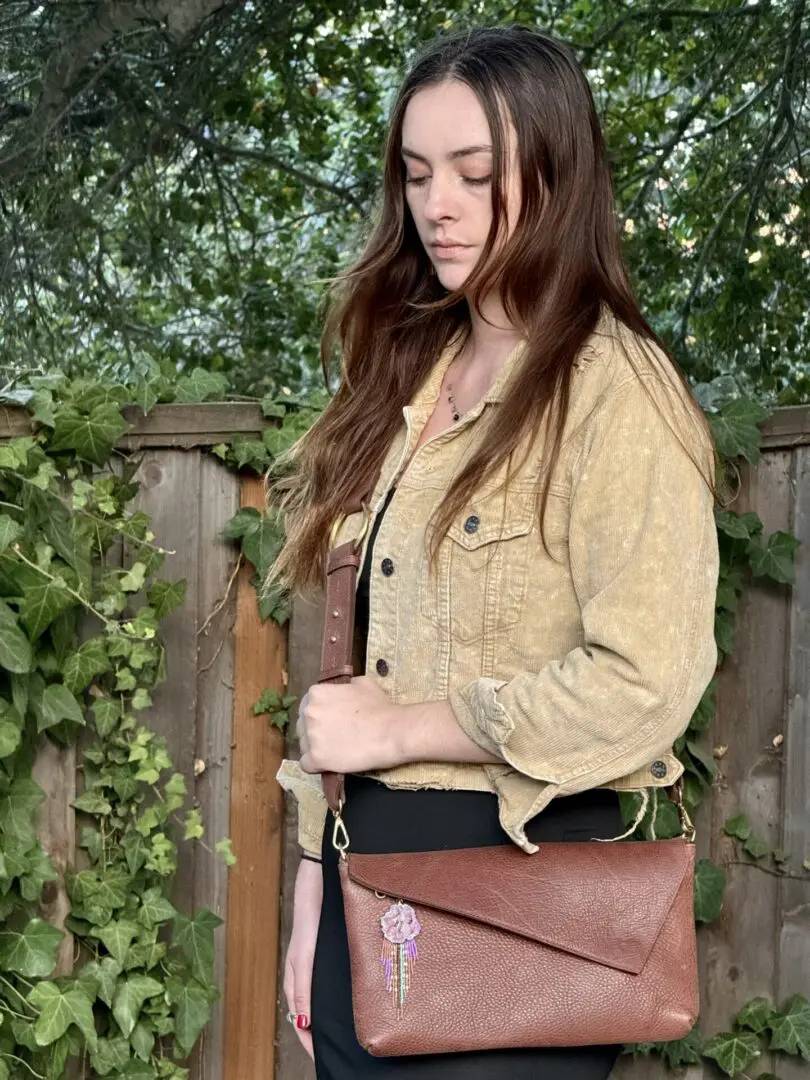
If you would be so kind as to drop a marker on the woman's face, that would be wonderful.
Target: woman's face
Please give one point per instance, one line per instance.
(446, 147)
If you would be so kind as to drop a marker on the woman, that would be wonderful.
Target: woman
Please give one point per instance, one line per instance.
(528, 648)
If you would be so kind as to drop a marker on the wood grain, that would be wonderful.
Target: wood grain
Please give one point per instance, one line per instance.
(256, 815)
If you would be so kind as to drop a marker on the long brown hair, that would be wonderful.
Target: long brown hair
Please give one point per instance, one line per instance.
(560, 266)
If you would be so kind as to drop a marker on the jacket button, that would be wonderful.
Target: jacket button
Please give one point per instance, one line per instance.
(472, 523)
(382, 667)
(387, 567)
(659, 769)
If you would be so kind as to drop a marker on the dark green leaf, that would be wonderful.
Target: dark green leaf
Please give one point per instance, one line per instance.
(91, 436)
(710, 884)
(733, 1051)
(791, 1028)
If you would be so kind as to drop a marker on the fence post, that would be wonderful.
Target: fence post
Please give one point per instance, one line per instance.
(256, 815)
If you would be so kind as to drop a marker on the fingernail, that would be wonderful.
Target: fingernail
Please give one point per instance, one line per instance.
(302, 1020)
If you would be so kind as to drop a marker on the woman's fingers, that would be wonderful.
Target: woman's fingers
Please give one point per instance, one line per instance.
(297, 983)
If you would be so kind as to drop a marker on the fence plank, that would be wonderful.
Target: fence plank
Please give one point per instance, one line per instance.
(751, 688)
(793, 959)
(170, 494)
(254, 886)
(216, 615)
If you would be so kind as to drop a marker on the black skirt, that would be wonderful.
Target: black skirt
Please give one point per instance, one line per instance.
(381, 819)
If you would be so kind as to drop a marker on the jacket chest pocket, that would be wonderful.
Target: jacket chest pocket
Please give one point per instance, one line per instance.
(478, 585)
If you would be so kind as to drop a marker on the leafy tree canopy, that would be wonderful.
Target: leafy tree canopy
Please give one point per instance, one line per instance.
(179, 177)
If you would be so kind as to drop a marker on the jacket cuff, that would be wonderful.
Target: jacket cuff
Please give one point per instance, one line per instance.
(312, 805)
(480, 715)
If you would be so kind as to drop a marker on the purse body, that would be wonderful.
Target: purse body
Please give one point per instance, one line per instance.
(580, 943)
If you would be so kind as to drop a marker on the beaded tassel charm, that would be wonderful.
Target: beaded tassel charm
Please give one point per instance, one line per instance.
(400, 927)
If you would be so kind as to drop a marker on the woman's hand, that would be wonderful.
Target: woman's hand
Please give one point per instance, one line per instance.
(355, 727)
(301, 950)
(348, 727)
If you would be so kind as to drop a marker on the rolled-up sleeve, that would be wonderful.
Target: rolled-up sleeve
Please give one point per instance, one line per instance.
(312, 805)
(644, 565)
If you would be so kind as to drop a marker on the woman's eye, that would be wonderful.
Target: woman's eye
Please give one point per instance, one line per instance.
(477, 181)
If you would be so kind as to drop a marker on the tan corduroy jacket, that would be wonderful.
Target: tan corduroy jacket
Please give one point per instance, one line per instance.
(578, 671)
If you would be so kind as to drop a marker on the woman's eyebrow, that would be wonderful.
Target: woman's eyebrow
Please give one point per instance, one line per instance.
(465, 151)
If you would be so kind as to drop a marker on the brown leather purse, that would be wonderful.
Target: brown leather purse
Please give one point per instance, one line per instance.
(488, 948)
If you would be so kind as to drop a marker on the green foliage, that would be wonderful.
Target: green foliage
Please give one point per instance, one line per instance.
(80, 653)
(161, 217)
(276, 706)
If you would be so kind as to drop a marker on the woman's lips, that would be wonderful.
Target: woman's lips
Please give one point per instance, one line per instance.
(449, 252)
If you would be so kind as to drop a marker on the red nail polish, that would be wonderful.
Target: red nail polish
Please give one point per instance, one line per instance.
(302, 1021)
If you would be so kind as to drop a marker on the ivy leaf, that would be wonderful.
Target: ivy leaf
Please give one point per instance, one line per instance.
(735, 428)
(92, 802)
(738, 826)
(192, 1011)
(733, 1050)
(57, 704)
(82, 666)
(117, 937)
(10, 737)
(262, 543)
(710, 884)
(10, 531)
(17, 810)
(733, 524)
(243, 521)
(756, 846)
(107, 714)
(105, 972)
(703, 758)
(130, 995)
(757, 1014)
(41, 605)
(791, 1029)
(155, 908)
(91, 436)
(165, 596)
(110, 1055)
(195, 936)
(133, 579)
(32, 952)
(200, 385)
(15, 648)
(223, 848)
(146, 394)
(775, 559)
(58, 1010)
(143, 1040)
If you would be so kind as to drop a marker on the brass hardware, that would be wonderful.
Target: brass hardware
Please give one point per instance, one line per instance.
(687, 827)
(340, 837)
(338, 522)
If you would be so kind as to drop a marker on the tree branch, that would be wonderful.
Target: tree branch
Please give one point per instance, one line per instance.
(65, 75)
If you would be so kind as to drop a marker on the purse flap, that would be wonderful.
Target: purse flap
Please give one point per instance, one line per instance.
(602, 901)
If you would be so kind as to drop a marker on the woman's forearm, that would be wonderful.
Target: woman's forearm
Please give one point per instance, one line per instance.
(429, 731)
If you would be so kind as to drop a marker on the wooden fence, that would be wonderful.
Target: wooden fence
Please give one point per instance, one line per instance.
(220, 658)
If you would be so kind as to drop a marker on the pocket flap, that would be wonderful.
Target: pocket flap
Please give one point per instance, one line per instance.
(602, 901)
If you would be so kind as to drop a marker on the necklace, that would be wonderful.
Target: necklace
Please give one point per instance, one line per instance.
(451, 399)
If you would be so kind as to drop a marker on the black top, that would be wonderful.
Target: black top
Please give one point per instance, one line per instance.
(362, 596)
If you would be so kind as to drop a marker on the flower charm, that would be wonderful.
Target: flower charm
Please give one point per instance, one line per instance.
(400, 928)
(400, 924)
